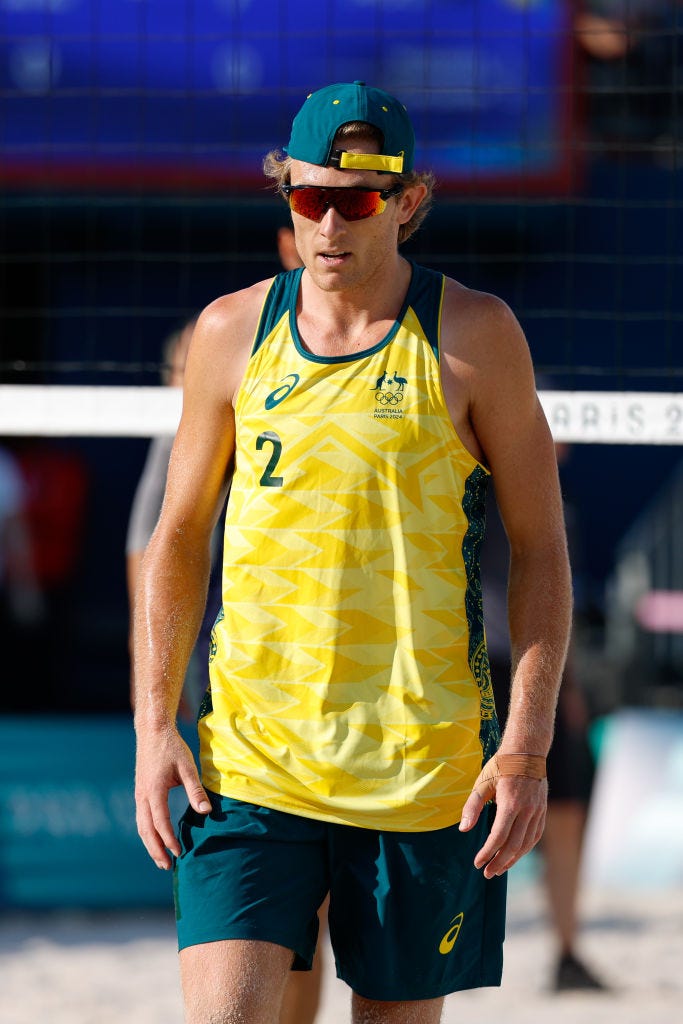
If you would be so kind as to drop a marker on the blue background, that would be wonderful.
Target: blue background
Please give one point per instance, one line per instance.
(67, 816)
(118, 88)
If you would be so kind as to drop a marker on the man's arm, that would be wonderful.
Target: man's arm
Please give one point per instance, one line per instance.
(508, 431)
(172, 587)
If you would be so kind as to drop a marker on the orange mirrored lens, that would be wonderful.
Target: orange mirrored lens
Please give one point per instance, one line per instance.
(313, 202)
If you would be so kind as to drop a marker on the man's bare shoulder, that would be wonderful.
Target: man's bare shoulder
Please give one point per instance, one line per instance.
(222, 341)
(486, 363)
(236, 312)
(480, 331)
(479, 312)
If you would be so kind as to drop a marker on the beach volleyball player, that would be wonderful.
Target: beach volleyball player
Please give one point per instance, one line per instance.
(349, 742)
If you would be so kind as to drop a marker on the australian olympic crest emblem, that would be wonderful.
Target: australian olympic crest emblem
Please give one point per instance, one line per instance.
(389, 392)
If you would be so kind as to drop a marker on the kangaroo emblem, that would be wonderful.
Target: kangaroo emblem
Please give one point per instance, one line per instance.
(389, 390)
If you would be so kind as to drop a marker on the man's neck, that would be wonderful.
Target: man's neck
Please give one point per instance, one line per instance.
(345, 322)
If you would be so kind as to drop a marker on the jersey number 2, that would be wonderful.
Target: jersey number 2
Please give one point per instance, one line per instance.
(270, 437)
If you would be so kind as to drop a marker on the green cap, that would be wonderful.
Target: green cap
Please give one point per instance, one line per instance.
(325, 111)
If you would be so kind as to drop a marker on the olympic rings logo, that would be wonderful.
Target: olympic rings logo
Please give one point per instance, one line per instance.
(388, 397)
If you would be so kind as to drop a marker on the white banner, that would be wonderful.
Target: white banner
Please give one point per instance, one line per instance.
(615, 417)
(608, 417)
(65, 411)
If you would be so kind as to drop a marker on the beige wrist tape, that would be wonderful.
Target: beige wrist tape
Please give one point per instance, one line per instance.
(529, 766)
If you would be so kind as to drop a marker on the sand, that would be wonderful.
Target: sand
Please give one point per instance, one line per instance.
(109, 968)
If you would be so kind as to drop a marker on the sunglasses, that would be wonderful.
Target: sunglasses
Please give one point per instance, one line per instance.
(313, 201)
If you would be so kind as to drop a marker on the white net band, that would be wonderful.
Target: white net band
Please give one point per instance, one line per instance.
(608, 417)
(71, 411)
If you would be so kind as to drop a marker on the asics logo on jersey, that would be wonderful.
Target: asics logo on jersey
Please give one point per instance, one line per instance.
(288, 384)
(449, 939)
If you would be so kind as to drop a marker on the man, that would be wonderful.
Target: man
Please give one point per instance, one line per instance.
(362, 402)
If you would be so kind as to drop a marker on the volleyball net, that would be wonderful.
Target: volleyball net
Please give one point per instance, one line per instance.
(132, 136)
(131, 143)
(609, 417)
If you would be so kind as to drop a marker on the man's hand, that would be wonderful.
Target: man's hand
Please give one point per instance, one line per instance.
(521, 803)
(164, 761)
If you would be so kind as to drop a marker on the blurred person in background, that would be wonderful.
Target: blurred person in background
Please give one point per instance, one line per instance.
(633, 62)
(21, 600)
(570, 762)
(56, 482)
(144, 515)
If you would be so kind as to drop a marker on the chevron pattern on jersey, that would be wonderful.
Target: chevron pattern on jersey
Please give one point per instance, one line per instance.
(344, 682)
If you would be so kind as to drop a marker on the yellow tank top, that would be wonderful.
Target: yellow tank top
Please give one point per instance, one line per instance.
(349, 675)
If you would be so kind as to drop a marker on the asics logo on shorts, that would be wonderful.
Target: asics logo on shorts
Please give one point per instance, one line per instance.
(449, 939)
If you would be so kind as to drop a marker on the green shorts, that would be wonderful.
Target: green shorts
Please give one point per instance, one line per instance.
(410, 917)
